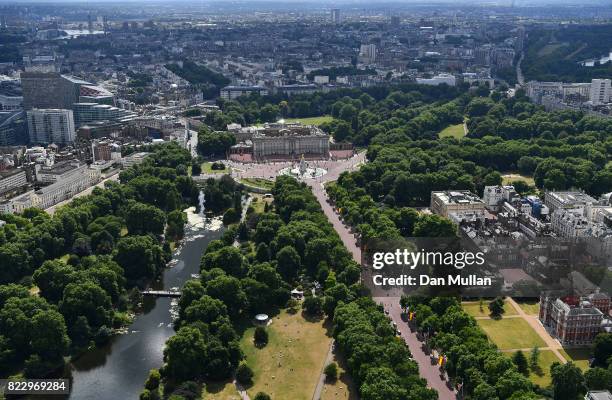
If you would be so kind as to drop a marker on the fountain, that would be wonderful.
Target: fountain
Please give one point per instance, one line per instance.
(303, 170)
(202, 203)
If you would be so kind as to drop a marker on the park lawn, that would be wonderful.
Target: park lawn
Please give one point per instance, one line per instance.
(207, 169)
(258, 182)
(311, 120)
(509, 178)
(530, 307)
(343, 388)
(473, 308)
(290, 365)
(220, 391)
(579, 356)
(455, 131)
(511, 333)
(542, 376)
(259, 205)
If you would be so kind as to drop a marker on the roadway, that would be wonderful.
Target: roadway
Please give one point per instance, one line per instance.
(427, 371)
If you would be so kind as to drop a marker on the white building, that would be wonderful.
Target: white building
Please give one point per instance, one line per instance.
(367, 53)
(51, 126)
(10, 103)
(438, 80)
(494, 196)
(601, 91)
(321, 79)
(567, 200)
(459, 202)
(133, 159)
(233, 92)
(65, 188)
(12, 179)
(569, 223)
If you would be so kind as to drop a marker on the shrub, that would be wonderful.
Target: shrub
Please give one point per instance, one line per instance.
(262, 396)
(244, 374)
(260, 336)
(331, 372)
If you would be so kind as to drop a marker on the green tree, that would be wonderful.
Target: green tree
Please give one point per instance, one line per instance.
(534, 358)
(244, 374)
(185, 353)
(313, 305)
(260, 336)
(153, 380)
(598, 379)
(496, 307)
(602, 348)
(567, 381)
(140, 257)
(262, 396)
(431, 225)
(519, 359)
(86, 299)
(288, 263)
(49, 336)
(331, 372)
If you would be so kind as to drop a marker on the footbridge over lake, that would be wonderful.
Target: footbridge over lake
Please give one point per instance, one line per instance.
(162, 293)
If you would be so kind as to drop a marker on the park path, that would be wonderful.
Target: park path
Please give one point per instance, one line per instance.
(534, 322)
(328, 359)
(241, 391)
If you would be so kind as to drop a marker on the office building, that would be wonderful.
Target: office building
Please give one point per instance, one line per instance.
(86, 113)
(11, 97)
(395, 21)
(335, 15)
(49, 90)
(601, 91)
(233, 92)
(367, 53)
(51, 126)
(13, 128)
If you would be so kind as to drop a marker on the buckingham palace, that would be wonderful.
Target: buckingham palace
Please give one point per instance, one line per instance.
(286, 140)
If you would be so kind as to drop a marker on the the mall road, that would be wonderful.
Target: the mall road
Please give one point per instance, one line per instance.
(428, 371)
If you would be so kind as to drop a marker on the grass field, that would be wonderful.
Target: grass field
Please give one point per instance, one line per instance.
(290, 365)
(311, 120)
(473, 308)
(258, 204)
(580, 357)
(455, 131)
(220, 391)
(511, 333)
(509, 178)
(530, 307)
(542, 376)
(258, 182)
(343, 388)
